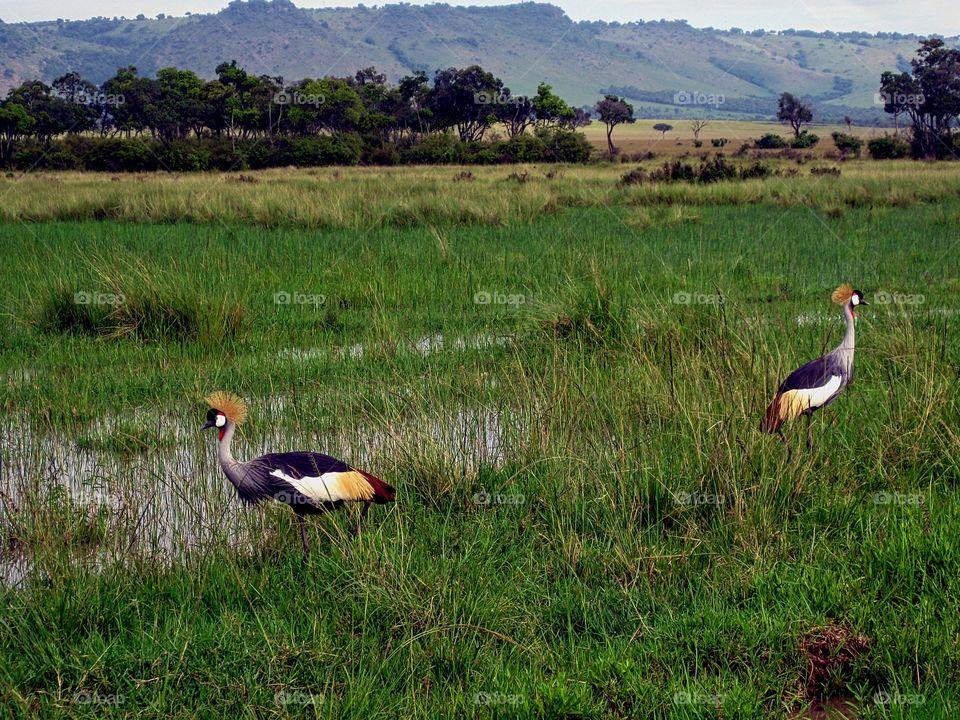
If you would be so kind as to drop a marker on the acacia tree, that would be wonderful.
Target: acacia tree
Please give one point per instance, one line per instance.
(614, 111)
(697, 126)
(794, 111)
(930, 97)
(663, 129)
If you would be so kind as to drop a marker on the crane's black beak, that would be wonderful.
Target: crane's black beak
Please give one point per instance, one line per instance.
(208, 424)
(863, 302)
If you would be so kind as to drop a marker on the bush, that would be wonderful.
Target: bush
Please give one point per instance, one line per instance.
(141, 154)
(847, 144)
(771, 141)
(566, 146)
(523, 148)
(709, 171)
(888, 147)
(339, 149)
(719, 142)
(805, 140)
(715, 170)
(434, 149)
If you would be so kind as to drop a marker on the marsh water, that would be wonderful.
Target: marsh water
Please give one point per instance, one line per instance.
(122, 498)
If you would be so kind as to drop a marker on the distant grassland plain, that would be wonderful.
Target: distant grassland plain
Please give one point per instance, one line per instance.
(562, 375)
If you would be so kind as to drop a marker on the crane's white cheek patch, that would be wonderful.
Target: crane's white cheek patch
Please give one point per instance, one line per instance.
(330, 487)
(855, 300)
(221, 420)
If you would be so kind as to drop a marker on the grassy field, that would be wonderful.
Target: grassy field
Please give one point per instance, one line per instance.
(563, 376)
(640, 137)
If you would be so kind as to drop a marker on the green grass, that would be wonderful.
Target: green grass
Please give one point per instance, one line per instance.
(622, 364)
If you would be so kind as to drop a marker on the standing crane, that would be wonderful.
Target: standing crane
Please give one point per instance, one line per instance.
(817, 384)
(310, 483)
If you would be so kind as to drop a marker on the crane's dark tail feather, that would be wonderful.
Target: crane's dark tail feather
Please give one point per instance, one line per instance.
(773, 419)
(382, 492)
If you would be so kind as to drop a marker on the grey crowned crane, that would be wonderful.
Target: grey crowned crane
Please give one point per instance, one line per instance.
(817, 384)
(310, 483)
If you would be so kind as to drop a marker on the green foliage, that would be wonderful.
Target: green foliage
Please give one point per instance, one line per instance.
(771, 141)
(708, 171)
(888, 147)
(847, 144)
(805, 140)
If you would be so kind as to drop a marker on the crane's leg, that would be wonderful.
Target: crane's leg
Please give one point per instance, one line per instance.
(363, 516)
(303, 536)
(786, 445)
(809, 432)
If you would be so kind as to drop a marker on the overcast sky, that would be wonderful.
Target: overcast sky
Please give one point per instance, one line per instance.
(919, 16)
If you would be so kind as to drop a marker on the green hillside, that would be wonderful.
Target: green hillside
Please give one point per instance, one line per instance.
(650, 62)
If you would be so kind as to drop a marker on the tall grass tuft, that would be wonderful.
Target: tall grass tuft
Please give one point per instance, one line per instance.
(143, 305)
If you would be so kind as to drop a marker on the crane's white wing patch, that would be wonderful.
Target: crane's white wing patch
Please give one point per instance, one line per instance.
(795, 402)
(330, 487)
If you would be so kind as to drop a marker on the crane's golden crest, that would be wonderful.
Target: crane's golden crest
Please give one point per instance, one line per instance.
(842, 295)
(229, 404)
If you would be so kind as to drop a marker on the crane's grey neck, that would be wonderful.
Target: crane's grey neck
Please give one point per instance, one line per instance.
(225, 456)
(849, 337)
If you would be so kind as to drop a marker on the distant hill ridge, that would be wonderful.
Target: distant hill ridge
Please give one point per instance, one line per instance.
(667, 68)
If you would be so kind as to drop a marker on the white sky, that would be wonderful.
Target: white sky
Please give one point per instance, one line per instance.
(918, 16)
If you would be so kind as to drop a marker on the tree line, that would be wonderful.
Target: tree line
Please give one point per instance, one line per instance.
(928, 96)
(180, 121)
(264, 121)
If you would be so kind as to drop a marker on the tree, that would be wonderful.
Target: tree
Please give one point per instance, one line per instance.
(140, 95)
(794, 111)
(464, 99)
(50, 114)
(663, 129)
(515, 112)
(930, 97)
(83, 97)
(15, 123)
(581, 118)
(697, 126)
(551, 109)
(614, 111)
